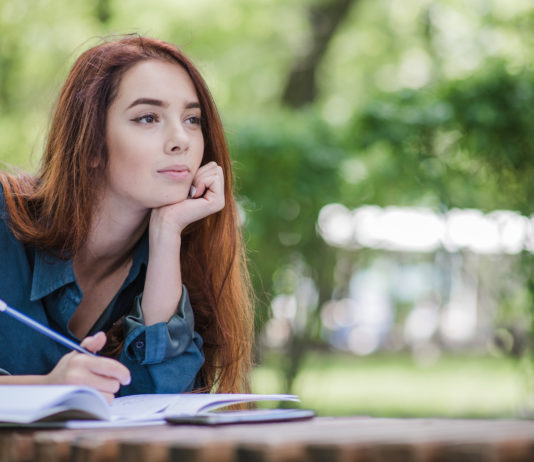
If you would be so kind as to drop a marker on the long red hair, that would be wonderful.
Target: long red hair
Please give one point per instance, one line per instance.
(53, 209)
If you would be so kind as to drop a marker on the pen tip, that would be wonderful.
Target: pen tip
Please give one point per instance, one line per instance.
(3, 305)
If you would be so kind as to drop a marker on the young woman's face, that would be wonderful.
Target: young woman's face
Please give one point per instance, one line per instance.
(153, 134)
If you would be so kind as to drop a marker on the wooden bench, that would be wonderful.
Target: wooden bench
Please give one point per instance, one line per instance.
(336, 439)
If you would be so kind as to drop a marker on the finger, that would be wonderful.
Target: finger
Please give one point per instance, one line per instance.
(106, 367)
(204, 172)
(109, 397)
(101, 383)
(81, 371)
(210, 165)
(214, 192)
(109, 368)
(210, 180)
(206, 169)
(95, 342)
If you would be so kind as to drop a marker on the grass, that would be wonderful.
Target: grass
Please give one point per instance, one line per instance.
(396, 386)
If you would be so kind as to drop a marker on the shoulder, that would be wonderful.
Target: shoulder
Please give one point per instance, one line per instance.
(4, 215)
(14, 253)
(6, 234)
(12, 190)
(3, 211)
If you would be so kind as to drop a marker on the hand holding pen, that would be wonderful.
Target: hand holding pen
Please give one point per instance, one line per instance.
(104, 374)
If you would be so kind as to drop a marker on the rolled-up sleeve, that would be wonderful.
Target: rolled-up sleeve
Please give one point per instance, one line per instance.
(164, 357)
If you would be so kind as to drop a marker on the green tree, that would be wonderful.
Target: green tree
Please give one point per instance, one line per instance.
(286, 172)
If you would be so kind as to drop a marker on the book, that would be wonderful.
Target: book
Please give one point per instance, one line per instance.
(85, 407)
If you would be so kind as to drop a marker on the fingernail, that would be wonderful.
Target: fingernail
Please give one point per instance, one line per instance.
(192, 191)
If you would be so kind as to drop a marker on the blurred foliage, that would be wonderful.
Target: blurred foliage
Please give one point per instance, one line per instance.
(464, 143)
(287, 170)
(395, 386)
(412, 103)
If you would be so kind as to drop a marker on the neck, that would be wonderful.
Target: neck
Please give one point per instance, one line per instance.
(111, 240)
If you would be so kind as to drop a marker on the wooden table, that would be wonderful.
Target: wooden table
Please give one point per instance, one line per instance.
(351, 439)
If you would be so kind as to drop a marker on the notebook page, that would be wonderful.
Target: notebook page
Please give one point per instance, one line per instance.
(138, 407)
(24, 403)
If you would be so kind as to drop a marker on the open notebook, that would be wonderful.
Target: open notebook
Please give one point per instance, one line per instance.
(78, 406)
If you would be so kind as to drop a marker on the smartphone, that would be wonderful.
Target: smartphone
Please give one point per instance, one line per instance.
(246, 416)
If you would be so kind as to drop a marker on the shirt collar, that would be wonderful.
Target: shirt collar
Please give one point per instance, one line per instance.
(51, 273)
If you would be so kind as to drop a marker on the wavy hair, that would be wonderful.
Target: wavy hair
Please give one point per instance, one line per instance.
(53, 210)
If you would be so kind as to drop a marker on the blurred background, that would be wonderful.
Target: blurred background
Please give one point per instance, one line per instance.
(382, 151)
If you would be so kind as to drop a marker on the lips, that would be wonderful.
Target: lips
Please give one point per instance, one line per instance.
(176, 172)
(175, 168)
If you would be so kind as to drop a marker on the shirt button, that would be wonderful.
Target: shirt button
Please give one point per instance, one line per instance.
(139, 344)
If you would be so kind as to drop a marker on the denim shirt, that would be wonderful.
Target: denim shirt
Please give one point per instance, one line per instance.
(162, 358)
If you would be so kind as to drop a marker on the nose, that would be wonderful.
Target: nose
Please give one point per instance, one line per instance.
(177, 139)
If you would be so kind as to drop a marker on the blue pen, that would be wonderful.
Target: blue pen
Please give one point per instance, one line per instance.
(42, 329)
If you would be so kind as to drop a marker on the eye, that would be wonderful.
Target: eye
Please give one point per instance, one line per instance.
(193, 120)
(146, 119)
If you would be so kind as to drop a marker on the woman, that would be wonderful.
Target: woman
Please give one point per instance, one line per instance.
(128, 237)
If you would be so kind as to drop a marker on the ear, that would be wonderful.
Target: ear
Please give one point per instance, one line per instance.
(96, 162)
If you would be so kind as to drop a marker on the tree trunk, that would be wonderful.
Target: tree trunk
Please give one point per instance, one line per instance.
(325, 17)
(103, 11)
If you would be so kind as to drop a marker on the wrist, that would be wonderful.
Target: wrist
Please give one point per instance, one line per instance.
(164, 235)
(165, 219)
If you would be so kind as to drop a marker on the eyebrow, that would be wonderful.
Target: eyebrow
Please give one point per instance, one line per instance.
(159, 103)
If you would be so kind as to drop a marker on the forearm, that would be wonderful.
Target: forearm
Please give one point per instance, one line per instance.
(163, 284)
(22, 379)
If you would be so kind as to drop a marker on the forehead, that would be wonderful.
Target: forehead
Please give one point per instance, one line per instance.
(156, 79)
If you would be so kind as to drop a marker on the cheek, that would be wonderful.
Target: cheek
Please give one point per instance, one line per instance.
(126, 161)
(199, 154)
(125, 150)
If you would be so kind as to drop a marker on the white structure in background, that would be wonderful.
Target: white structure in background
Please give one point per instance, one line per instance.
(411, 229)
(360, 322)
(290, 312)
